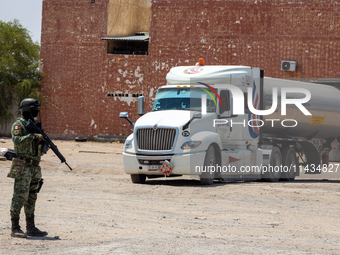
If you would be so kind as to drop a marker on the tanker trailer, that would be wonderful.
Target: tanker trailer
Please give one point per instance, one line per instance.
(314, 132)
(324, 105)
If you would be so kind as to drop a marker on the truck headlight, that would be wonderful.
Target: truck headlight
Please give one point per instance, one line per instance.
(190, 145)
(128, 144)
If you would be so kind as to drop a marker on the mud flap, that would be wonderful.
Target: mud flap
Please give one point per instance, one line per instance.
(312, 154)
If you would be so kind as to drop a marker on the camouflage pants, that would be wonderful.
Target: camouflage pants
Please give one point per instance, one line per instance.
(24, 194)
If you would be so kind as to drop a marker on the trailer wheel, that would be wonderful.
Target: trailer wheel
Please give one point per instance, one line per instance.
(289, 161)
(273, 172)
(138, 178)
(207, 177)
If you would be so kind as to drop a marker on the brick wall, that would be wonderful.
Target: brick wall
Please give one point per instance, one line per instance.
(79, 72)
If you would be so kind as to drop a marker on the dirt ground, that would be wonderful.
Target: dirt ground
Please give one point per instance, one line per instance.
(95, 209)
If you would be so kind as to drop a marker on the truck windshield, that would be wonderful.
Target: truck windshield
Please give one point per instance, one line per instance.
(183, 99)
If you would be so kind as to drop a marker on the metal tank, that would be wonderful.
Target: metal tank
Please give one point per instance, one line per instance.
(324, 105)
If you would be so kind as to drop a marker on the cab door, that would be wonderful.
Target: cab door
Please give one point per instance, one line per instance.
(224, 113)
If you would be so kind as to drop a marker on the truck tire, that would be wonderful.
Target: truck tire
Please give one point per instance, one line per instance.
(138, 178)
(273, 174)
(207, 177)
(289, 162)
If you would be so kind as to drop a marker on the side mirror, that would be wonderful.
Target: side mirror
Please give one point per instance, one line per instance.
(197, 115)
(141, 105)
(125, 115)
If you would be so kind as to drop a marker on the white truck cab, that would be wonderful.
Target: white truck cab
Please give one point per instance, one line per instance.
(191, 129)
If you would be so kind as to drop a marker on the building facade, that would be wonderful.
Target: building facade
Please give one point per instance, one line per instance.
(98, 56)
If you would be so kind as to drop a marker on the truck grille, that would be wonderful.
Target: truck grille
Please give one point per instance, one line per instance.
(161, 139)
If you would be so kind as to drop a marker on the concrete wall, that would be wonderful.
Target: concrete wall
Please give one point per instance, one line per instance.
(79, 72)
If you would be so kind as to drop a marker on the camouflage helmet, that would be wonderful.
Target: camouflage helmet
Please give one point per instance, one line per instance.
(29, 103)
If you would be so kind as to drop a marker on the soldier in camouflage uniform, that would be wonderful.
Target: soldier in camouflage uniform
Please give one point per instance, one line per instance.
(28, 147)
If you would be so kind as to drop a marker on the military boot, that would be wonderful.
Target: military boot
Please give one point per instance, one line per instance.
(32, 230)
(16, 231)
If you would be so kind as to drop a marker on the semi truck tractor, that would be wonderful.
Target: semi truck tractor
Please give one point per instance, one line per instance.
(232, 123)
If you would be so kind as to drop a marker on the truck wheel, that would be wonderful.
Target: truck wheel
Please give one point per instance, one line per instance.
(289, 161)
(138, 178)
(207, 177)
(273, 172)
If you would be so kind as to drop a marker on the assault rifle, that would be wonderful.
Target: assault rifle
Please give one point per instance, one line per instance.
(32, 128)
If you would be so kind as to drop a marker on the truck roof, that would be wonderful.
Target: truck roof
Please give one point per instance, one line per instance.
(212, 74)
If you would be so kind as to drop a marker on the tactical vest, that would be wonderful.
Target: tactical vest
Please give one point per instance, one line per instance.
(24, 143)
